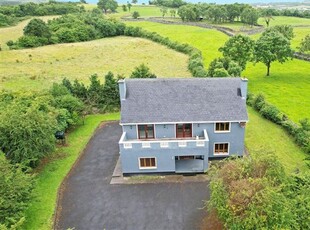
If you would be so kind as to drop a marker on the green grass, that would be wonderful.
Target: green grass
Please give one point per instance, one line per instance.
(206, 40)
(283, 20)
(264, 136)
(38, 68)
(41, 210)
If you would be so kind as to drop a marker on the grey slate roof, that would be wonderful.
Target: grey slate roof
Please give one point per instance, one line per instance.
(183, 100)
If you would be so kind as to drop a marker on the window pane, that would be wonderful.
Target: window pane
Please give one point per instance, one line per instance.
(179, 130)
(188, 130)
(148, 162)
(150, 131)
(153, 162)
(142, 163)
(217, 126)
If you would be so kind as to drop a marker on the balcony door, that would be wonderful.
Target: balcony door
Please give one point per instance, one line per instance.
(183, 130)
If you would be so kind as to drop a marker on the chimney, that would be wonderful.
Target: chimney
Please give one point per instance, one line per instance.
(122, 89)
(244, 87)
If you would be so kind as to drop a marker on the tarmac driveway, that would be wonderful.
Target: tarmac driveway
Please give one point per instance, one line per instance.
(89, 202)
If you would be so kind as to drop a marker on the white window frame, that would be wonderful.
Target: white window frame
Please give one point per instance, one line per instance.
(164, 144)
(151, 167)
(224, 131)
(127, 145)
(221, 154)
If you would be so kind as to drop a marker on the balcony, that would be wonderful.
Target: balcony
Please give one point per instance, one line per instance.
(162, 143)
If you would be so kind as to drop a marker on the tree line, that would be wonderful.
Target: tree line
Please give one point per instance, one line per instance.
(10, 15)
(219, 13)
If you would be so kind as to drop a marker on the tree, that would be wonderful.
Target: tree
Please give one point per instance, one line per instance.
(15, 192)
(135, 14)
(111, 91)
(37, 27)
(163, 11)
(129, 6)
(134, 1)
(305, 44)
(173, 13)
(272, 46)
(224, 67)
(107, 5)
(142, 71)
(239, 48)
(249, 16)
(285, 30)
(27, 131)
(188, 12)
(124, 8)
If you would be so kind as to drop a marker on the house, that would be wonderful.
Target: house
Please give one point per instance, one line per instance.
(178, 125)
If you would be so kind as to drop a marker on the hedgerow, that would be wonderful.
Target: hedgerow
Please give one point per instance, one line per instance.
(300, 132)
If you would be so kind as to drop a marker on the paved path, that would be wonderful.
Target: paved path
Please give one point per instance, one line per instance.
(89, 202)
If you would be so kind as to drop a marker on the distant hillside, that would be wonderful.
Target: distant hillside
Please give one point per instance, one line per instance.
(16, 2)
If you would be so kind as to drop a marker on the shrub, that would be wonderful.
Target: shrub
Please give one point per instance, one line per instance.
(259, 102)
(135, 14)
(31, 41)
(272, 113)
(142, 71)
(15, 192)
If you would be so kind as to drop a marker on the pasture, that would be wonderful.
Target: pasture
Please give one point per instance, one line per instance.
(38, 68)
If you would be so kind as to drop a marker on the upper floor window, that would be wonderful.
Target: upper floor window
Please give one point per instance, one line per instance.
(222, 127)
(183, 130)
(146, 131)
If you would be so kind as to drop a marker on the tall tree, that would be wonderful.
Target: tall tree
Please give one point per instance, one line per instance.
(239, 48)
(134, 1)
(129, 6)
(272, 46)
(305, 44)
(249, 16)
(107, 5)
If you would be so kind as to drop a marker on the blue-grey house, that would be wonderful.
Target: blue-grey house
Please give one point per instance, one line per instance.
(177, 125)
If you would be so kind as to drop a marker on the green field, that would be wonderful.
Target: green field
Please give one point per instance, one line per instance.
(288, 88)
(38, 68)
(41, 210)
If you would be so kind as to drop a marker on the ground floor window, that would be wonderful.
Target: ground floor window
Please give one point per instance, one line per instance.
(220, 148)
(147, 162)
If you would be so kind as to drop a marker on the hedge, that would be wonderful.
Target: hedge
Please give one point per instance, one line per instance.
(300, 132)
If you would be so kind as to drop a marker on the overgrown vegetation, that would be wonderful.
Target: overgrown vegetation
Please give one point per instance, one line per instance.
(255, 193)
(15, 192)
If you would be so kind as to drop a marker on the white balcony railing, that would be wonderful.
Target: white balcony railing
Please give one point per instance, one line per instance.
(165, 143)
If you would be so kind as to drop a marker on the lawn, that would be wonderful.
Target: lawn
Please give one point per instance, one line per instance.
(41, 210)
(38, 68)
(264, 136)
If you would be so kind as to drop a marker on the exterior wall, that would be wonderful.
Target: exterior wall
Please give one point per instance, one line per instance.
(235, 137)
(165, 157)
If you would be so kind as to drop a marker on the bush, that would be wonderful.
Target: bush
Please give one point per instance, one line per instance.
(15, 192)
(255, 193)
(142, 71)
(259, 102)
(135, 14)
(31, 41)
(272, 113)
